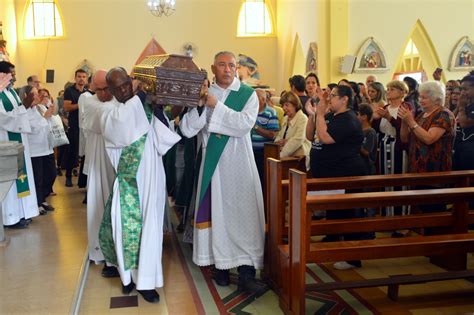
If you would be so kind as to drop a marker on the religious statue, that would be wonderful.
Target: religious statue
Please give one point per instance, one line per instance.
(247, 70)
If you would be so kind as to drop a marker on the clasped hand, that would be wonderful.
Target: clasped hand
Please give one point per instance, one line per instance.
(384, 113)
(406, 115)
(322, 107)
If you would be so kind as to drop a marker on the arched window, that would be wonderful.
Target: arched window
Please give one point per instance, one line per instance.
(42, 19)
(255, 19)
(411, 64)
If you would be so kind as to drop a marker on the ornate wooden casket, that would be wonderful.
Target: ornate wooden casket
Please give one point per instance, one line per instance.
(171, 79)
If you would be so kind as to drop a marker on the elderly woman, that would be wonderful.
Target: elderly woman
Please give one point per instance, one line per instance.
(392, 157)
(387, 122)
(336, 148)
(430, 135)
(292, 135)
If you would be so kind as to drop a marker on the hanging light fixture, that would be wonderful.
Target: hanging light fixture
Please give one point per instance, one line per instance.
(161, 7)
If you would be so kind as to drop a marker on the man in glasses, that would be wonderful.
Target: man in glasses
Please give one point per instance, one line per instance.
(97, 166)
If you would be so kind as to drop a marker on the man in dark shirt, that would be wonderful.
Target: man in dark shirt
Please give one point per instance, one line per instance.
(71, 97)
(298, 86)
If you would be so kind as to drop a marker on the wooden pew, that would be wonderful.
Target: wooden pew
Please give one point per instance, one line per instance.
(277, 196)
(272, 151)
(302, 250)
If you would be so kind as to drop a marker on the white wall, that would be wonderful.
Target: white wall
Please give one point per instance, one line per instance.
(114, 32)
(294, 17)
(390, 23)
(7, 16)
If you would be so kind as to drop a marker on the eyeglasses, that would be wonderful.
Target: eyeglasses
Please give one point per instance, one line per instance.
(333, 95)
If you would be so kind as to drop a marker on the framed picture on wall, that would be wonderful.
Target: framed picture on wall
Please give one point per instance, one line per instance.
(312, 58)
(371, 57)
(4, 56)
(462, 56)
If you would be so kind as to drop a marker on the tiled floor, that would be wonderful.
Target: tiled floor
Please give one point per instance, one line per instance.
(40, 267)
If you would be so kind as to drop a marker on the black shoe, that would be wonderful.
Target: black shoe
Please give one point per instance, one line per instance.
(247, 282)
(42, 211)
(68, 182)
(250, 286)
(59, 172)
(27, 221)
(180, 228)
(46, 206)
(397, 234)
(127, 289)
(222, 277)
(74, 172)
(331, 238)
(84, 201)
(22, 224)
(110, 272)
(150, 295)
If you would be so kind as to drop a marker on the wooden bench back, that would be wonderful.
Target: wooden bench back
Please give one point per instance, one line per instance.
(302, 228)
(302, 250)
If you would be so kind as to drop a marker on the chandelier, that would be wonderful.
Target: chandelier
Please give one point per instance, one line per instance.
(161, 7)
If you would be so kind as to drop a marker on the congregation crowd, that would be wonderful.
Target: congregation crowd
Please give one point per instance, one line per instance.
(131, 155)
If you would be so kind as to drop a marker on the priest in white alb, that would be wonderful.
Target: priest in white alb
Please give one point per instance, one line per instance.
(20, 204)
(100, 172)
(229, 227)
(131, 233)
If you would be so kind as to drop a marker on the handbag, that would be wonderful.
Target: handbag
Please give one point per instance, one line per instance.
(57, 135)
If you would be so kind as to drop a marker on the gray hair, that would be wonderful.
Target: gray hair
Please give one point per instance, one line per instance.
(435, 91)
(224, 52)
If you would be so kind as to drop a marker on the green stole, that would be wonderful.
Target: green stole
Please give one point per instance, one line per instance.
(130, 210)
(236, 100)
(22, 186)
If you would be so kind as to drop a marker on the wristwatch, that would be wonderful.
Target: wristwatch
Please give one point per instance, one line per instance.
(256, 127)
(414, 127)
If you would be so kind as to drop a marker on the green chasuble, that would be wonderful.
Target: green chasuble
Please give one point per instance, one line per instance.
(130, 212)
(22, 185)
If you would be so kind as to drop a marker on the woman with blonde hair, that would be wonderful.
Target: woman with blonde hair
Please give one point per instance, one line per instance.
(292, 135)
(387, 122)
(376, 95)
(392, 157)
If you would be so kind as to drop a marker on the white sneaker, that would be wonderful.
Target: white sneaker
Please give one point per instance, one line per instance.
(343, 265)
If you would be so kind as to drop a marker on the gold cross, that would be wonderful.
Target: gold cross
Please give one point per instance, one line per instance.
(22, 178)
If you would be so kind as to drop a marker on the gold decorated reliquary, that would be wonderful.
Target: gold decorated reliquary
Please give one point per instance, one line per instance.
(171, 79)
